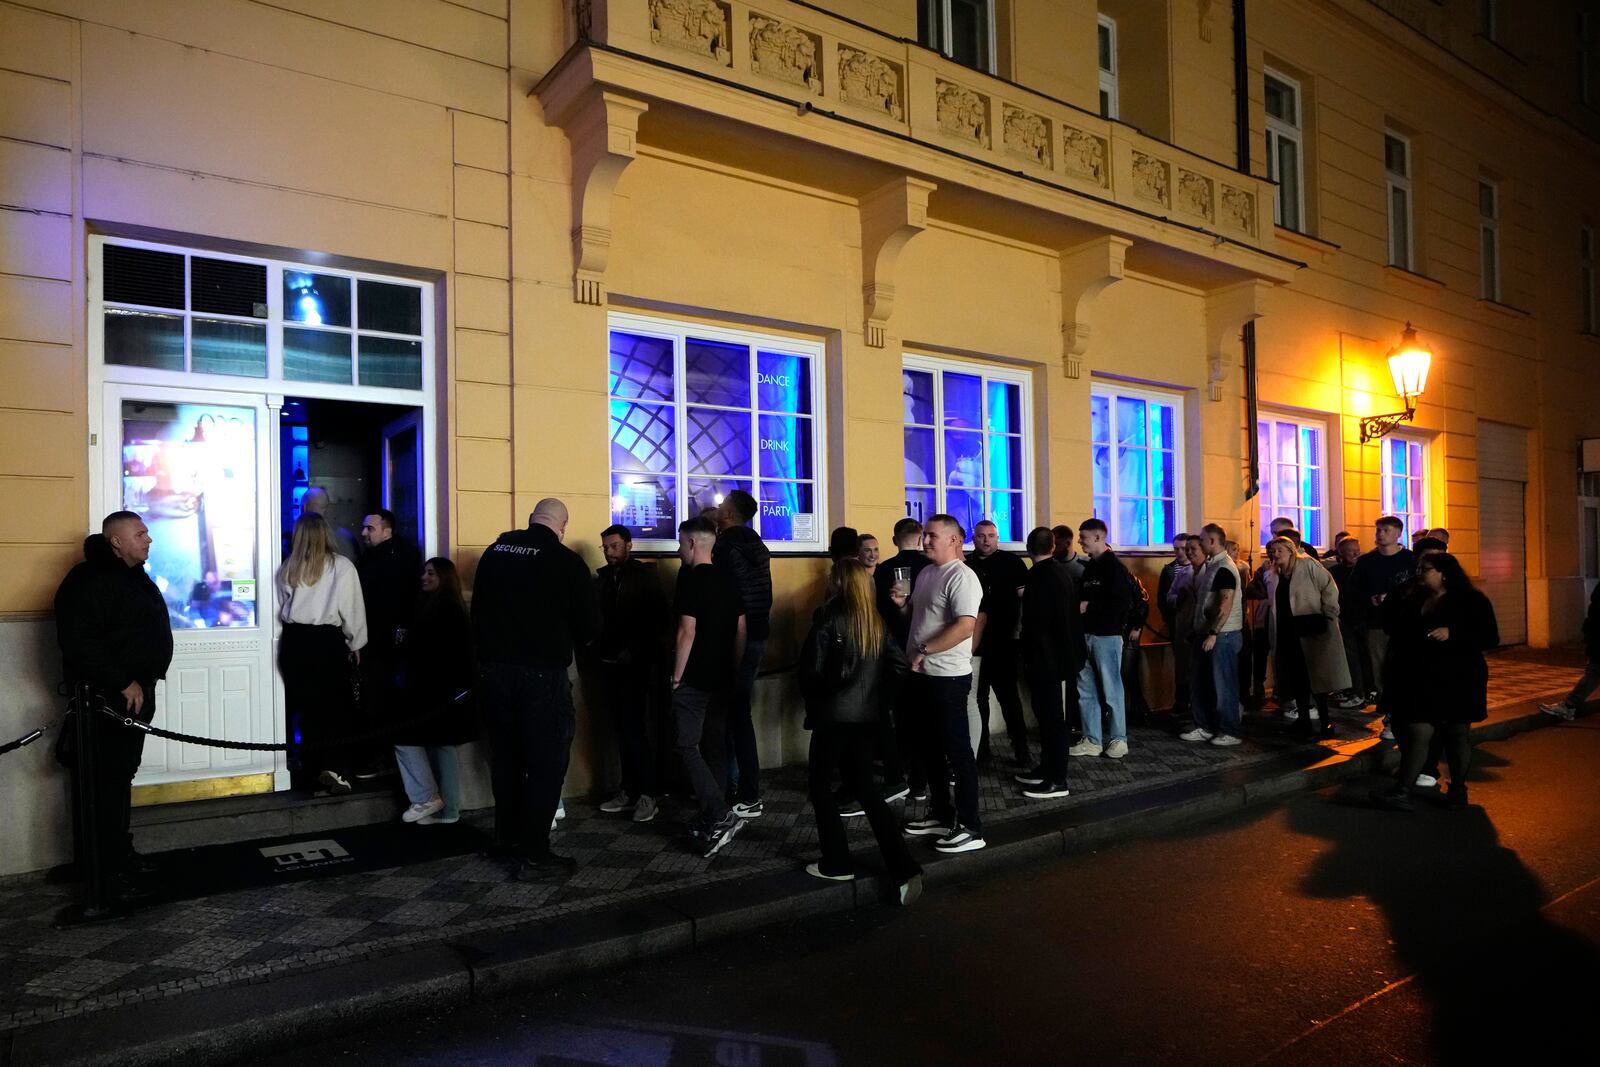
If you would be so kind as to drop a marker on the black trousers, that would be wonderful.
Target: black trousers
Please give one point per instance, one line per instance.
(531, 723)
(997, 674)
(1050, 710)
(847, 749)
(118, 750)
(940, 705)
(1416, 738)
(315, 663)
(626, 689)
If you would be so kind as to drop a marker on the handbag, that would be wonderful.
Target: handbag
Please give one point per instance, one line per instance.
(1308, 625)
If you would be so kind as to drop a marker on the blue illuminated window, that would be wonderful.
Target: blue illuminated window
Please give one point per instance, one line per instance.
(1138, 478)
(1405, 481)
(967, 441)
(698, 412)
(1293, 476)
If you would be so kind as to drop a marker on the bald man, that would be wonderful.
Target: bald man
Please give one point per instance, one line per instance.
(532, 604)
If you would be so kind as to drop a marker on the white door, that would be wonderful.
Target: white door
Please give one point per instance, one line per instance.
(197, 466)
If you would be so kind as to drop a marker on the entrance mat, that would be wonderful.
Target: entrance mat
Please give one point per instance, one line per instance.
(184, 874)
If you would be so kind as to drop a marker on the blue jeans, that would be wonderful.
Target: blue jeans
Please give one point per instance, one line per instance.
(431, 772)
(1099, 681)
(1214, 696)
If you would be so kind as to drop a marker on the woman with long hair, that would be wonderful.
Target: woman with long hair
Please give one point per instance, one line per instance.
(1303, 629)
(324, 629)
(850, 670)
(1438, 682)
(436, 658)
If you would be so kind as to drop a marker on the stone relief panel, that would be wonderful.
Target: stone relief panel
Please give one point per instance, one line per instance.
(1027, 135)
(1152, 178)
(1239, 209)
(865, 80)
(962, 113)
(1083, 155)
(703, 27)
(785, 53)
(1196, 195)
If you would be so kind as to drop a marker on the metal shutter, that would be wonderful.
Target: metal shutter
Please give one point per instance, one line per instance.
(1502, 480)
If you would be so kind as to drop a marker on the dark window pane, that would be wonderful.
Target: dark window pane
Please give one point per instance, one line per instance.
(1005, 408)
(390, 362)
(316, 356)
(921, 460)
(719, 441)
(318, 299)
(920, 504)
(228, 288)
(140, 339)
(963, 401)
(390, 308)
(966, 506)
(642, 437)
(784, 447)
(143, 276)
(710, 492)
(916, 389)
(716, 373)
(237, 348)
(787, 511)
(783, 382)
(646, 504)
(641, 367)
(1005, 511)
(963, 458)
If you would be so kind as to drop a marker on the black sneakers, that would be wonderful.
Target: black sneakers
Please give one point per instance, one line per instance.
(1046, 790)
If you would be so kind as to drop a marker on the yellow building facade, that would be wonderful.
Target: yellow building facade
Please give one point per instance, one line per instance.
(857, 257)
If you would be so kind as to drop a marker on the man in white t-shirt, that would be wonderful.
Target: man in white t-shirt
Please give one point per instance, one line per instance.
(944, 609)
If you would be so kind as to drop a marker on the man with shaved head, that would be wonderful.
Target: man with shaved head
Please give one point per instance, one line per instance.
(532, 604)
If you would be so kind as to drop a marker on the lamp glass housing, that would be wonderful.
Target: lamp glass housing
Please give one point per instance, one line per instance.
(1408, 365)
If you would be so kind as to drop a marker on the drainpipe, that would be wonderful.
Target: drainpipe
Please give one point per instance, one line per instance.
(1241, 125)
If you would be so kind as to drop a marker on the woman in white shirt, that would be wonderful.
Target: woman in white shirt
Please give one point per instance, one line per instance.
(324, 629)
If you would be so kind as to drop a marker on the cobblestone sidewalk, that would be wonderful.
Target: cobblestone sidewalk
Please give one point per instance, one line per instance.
(253, 935)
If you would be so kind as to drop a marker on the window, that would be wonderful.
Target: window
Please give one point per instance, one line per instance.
(1107, 33)
(1284, 151)
(1397, 167)
(960, 29)
(188, 312)
(696, 412)
(1489, 238)
(968, 441)
(1405, 480)
(1587, 271)
(1293, 476)
(1138, 484)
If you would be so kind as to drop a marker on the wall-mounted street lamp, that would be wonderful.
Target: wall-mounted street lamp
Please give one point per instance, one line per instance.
(1408, 365)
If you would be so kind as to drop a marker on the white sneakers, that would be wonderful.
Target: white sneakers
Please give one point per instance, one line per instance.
(1117, 749)
(1225, 740)
(1197, 734)
(1426, 781)
(1085, 748)
(418, 812)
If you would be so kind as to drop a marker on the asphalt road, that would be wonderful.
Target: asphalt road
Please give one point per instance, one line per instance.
(1319, 931)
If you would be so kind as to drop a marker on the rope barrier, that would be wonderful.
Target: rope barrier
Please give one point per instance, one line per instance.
(27, 738)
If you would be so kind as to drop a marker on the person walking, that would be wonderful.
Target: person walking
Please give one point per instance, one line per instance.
(1308, 652)
(115, 636)
(943, 610)
(324, 630)
(1053, 651)
(1568, 707)
(1174, 579)
(1105, 599)
(994, 639)
(533, 603)
(708, 657)
(1439, 630)
(849, 670)
(1219, 631)
(743, 557)
(438, 675)
(1378, 572)
(388, 568)
(634, 620)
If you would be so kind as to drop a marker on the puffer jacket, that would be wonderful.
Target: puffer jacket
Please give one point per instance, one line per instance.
(741, 552)
(839, 685)
(111, 622)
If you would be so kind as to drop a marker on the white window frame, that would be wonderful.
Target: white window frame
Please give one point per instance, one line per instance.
(1109, 78)
(1396, 182)
(1280, 132)
(988, 373)
(1415, 518)
(1174, 399)
(1586, 273)
(1489, 239)
(1267, 476)
(679, 331)
(943, 41)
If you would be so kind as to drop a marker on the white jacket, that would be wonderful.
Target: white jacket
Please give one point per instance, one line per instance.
(334, 601)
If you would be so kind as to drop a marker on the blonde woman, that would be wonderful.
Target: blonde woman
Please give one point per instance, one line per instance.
(850, 670)
(1303, 627)
(324, 629)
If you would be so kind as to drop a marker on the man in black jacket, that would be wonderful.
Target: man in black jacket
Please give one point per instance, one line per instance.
(113, 628)
(1175, 577)
(1052, 651)
(994, 639)
(1105, 600)
(390, 569)
(633, 628)
(742, 556)
(533, 602)
(898, 741)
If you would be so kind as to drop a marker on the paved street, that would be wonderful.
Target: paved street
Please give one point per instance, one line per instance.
(1319, 931)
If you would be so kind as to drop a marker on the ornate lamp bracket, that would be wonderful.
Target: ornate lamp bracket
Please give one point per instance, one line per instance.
(1376, 426)
(890, 217)
(1086, 270)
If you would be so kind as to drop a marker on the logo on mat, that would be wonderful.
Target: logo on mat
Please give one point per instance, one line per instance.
(303, 855)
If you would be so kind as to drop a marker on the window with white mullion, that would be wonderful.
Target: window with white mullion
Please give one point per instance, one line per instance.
(1489, 238)
(1106, 52)
(961, 30)
(1293, 475)
(1405, 480)
(1285, 151)
(1397, 183)
(1137, 466)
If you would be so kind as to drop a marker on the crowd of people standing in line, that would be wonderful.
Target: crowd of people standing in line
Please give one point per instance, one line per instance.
(387, 644)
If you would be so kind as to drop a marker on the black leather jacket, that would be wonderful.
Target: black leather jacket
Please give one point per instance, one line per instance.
(839, 685)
